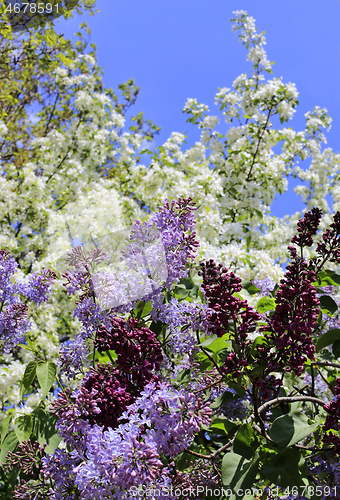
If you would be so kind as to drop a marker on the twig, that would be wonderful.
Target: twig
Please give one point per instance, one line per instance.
(325, 363)
(208, 386)
(286, 399)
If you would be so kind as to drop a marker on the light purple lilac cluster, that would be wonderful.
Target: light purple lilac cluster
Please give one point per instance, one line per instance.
(266, 286)
(176, 224)
(73, 356)
(14, 296)
(106, 463)
(60, 468)
(327, 474)
(183, 319)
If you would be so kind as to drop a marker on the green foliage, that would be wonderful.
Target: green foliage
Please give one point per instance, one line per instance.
(327, 338)
(46, 373)
(246, 441)
(291, 428)
(238, 473)
(282, 469)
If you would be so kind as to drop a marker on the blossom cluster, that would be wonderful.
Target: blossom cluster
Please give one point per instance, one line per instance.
(14, 296)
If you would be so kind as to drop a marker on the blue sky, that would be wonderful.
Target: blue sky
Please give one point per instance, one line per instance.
(185, 48)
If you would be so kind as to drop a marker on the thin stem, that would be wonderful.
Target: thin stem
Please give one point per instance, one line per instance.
(285, 399)
(208, 386)
(60, 384)
(257, 412)
(325, 363)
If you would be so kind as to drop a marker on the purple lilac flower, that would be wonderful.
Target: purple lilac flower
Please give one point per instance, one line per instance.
(329, 248)
(266, 286)
(175, 416)
(198, 473)
(161, 421)
(333, 419)
(70, 424)
(219, 288)
(291, 325)
(14, 323)
(137, 348)
(117, 461)
(180, 314)
(60, 468)
(307, 228)
(176, 223)
(91, 316)
(268, 388)
(13, 326)
(238, 409)
(27, 458)
(73, 356)
(38, 288)
(326, 474)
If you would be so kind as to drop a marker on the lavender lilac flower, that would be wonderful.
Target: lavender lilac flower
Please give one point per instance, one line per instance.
(183, 319)
(14, 296)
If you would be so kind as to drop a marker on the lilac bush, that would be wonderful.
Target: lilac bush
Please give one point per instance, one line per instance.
(169, 392)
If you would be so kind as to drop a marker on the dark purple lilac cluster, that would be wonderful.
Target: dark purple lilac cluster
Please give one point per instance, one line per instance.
(329, 248)
(288, 331)
(108, 390)
(229, 313)
(14, 296)
(307, 228)
(137, 348)
(268, 388)
(333, 419)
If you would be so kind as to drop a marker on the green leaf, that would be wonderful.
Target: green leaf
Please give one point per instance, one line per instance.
(291, 428)
(218, 344)
(4, 427)
(283, 469)
(28, 377)
(23, 427)
(9, 444)
(250, 287)
(223, 424)
(225, 398)
(238, 472)
(246, 441)
(328, 338)
(181, 291)
(46, 430)
(209, 340)
(46, 373)
(265, 304)
(326, 278)
(183, 376)
(328, 305)
(336, 349)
